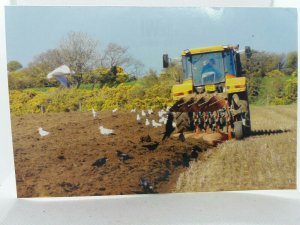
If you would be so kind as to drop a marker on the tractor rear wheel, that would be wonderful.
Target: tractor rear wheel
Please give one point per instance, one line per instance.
(238, 130)
(184, 121)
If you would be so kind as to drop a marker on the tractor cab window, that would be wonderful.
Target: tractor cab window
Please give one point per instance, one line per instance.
(207, 68)
(186, 66)
(229, 63)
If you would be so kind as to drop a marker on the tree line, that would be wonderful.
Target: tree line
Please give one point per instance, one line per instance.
(81, 53)
(272, 77)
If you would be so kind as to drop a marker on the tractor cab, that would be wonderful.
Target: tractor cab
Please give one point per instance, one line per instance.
(206, 69)
(205, 66)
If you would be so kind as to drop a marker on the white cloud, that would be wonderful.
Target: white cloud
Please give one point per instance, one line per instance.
(212, 13)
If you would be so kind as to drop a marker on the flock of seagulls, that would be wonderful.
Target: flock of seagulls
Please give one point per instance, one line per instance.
(165, 118)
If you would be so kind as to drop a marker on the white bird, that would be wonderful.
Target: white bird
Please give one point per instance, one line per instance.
(154, 124)
(165, 121)
(133, 110)
(105, 131)
(138, 118)
(161, 120)
(114, 110)
(161, 113)
(94, 113)
(147, 123)
(42, 132)
(150, 111)
(143, 113)
(174, 124)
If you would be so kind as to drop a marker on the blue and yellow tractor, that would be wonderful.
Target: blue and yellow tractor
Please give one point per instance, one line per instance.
(212, 96)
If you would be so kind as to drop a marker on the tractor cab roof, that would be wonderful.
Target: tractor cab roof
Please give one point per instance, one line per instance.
(216, 48)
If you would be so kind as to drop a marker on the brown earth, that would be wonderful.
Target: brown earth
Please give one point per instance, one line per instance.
(60, 164)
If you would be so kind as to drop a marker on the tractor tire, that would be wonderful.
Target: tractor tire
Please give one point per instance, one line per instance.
(238, 130)
(184, 121)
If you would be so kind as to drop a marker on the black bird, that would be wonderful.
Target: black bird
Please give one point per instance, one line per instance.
(100, 162)
(122, 156)
(146, 186)
(194, 153)
(181, 137)
(152, 146)
(169, 126)
(185, 160)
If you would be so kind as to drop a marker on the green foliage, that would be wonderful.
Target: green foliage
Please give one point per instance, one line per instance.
(275, 73)
(277, 90)
(150, 79)
(14, 66)
(290, 89)
(272, 78)
(291, 62)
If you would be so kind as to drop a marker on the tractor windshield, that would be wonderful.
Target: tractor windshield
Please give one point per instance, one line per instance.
(208, 68)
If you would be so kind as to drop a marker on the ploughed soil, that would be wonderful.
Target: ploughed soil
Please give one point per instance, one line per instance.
(61, 163)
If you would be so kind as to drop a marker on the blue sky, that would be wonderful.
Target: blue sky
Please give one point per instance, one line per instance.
(150, 32)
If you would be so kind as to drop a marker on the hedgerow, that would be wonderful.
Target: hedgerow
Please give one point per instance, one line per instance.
(105, 98)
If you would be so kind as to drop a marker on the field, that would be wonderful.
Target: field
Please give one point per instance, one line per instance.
(266, 160)
(60, 164)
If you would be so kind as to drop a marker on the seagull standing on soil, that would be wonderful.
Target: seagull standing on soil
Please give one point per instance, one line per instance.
(161, 113)
(147, 123)
(143, 113)
(105, 131)
(42, 132)
(133, 110)
(94, 113)
(138, 118)
(161, 120)
(114, 110)
(154, 124)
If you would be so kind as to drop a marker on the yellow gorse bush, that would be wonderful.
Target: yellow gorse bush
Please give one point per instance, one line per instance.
(106, 98)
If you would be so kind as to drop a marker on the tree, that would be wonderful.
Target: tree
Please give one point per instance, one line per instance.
(14, 66)
(174, 71)
(261, 63)
(150, 79)
(48, 60)
(115, 55)
(136, 68)
(291, 62)
(79, 52)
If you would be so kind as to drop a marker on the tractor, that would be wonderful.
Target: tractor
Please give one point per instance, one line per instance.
(212, 94)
